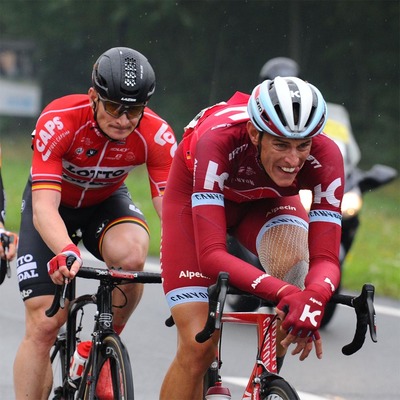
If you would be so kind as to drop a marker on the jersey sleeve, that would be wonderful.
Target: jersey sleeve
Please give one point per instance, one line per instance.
(161, 149)
(51, 140)
(327, 185)
(211, 170)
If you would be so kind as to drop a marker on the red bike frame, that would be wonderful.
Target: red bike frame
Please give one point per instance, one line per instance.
(265, 321)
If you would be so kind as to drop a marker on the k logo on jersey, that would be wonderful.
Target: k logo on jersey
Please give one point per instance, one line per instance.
(212, 177)
(329, 193)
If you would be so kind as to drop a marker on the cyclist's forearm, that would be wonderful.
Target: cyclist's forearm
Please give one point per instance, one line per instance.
(323, 277)
(49, 224)
(157, 204)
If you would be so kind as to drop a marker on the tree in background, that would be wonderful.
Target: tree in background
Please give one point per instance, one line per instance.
(204, 50)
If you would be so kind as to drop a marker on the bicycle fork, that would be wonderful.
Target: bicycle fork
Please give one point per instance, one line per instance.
(265, 367)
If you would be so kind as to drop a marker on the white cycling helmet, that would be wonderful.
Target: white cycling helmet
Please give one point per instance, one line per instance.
(288, 107)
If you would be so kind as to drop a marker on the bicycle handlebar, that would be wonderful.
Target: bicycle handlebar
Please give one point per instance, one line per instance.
(115, 276)
(366, 317)
(363, 305)
(216, 301)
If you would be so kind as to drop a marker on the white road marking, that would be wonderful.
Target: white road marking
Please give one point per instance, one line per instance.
(393, 312)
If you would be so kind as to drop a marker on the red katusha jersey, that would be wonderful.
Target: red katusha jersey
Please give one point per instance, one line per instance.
(218, 148)
(72, 156)
(225, 166)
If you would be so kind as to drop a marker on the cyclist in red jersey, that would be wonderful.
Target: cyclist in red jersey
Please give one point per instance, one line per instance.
(84, 147)
(238, 170)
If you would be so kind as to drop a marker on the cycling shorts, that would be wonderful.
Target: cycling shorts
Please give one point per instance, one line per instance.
(87, 224)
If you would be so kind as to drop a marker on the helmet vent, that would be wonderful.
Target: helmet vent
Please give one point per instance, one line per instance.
(130, 72)
(310, 118)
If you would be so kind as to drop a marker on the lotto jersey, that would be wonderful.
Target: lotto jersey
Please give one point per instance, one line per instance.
(72, 156)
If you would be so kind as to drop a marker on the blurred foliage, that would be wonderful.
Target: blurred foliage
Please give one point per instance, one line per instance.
(203, 51)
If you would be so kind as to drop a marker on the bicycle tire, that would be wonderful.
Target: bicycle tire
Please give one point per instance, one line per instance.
(113, 350)
(277, 389)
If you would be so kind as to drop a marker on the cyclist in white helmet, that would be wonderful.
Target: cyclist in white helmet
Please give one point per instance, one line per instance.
(238, 170)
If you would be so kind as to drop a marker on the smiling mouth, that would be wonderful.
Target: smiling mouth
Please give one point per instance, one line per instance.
(288, 170)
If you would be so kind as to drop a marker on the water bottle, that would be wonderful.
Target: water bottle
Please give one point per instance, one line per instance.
(218, 392)
(78, 361)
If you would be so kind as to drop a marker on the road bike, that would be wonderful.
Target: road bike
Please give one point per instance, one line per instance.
(264, 382)
(106, 349)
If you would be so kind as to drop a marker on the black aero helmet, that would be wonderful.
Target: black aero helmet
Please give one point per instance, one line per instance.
(279, 66)
(124, 75)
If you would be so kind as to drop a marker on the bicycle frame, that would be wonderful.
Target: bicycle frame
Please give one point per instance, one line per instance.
(264, 376)
(265, 321)
(103, 321)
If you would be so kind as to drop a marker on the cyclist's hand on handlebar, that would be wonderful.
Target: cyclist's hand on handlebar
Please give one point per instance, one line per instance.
(304, 311)
(57, 266)
(10, 239)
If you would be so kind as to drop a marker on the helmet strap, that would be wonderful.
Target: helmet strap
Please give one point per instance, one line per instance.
(260, 136)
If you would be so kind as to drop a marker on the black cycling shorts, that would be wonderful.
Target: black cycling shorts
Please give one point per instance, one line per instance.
(86, 224)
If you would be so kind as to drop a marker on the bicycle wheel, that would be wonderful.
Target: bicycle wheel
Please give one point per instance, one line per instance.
(114, 371)
(277, 389)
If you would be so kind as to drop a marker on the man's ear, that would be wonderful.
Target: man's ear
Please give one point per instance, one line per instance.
(92, 94)
(253, 133)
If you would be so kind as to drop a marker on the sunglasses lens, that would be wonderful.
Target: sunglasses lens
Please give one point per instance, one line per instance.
(117, 109)
(112, 108)
(134, 111)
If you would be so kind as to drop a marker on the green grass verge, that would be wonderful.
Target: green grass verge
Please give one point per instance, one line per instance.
(375, 256)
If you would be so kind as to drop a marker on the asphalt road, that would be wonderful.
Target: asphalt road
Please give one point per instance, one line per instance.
(372, 373)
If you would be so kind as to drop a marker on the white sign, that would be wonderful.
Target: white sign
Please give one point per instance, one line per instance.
(19, 98)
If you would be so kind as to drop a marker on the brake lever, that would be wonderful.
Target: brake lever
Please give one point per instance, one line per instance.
(70, 260)
(64, 293)
(61, 293)
(217, 295)
(365, 312)
(371, 312)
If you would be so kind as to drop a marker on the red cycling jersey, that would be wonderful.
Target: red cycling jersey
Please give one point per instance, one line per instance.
(73, 156)
(223, 174)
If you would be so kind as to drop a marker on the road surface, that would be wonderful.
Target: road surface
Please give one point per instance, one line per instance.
(372, 373)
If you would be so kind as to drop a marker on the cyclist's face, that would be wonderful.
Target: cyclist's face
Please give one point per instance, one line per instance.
(116, 126)
(281, 158)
